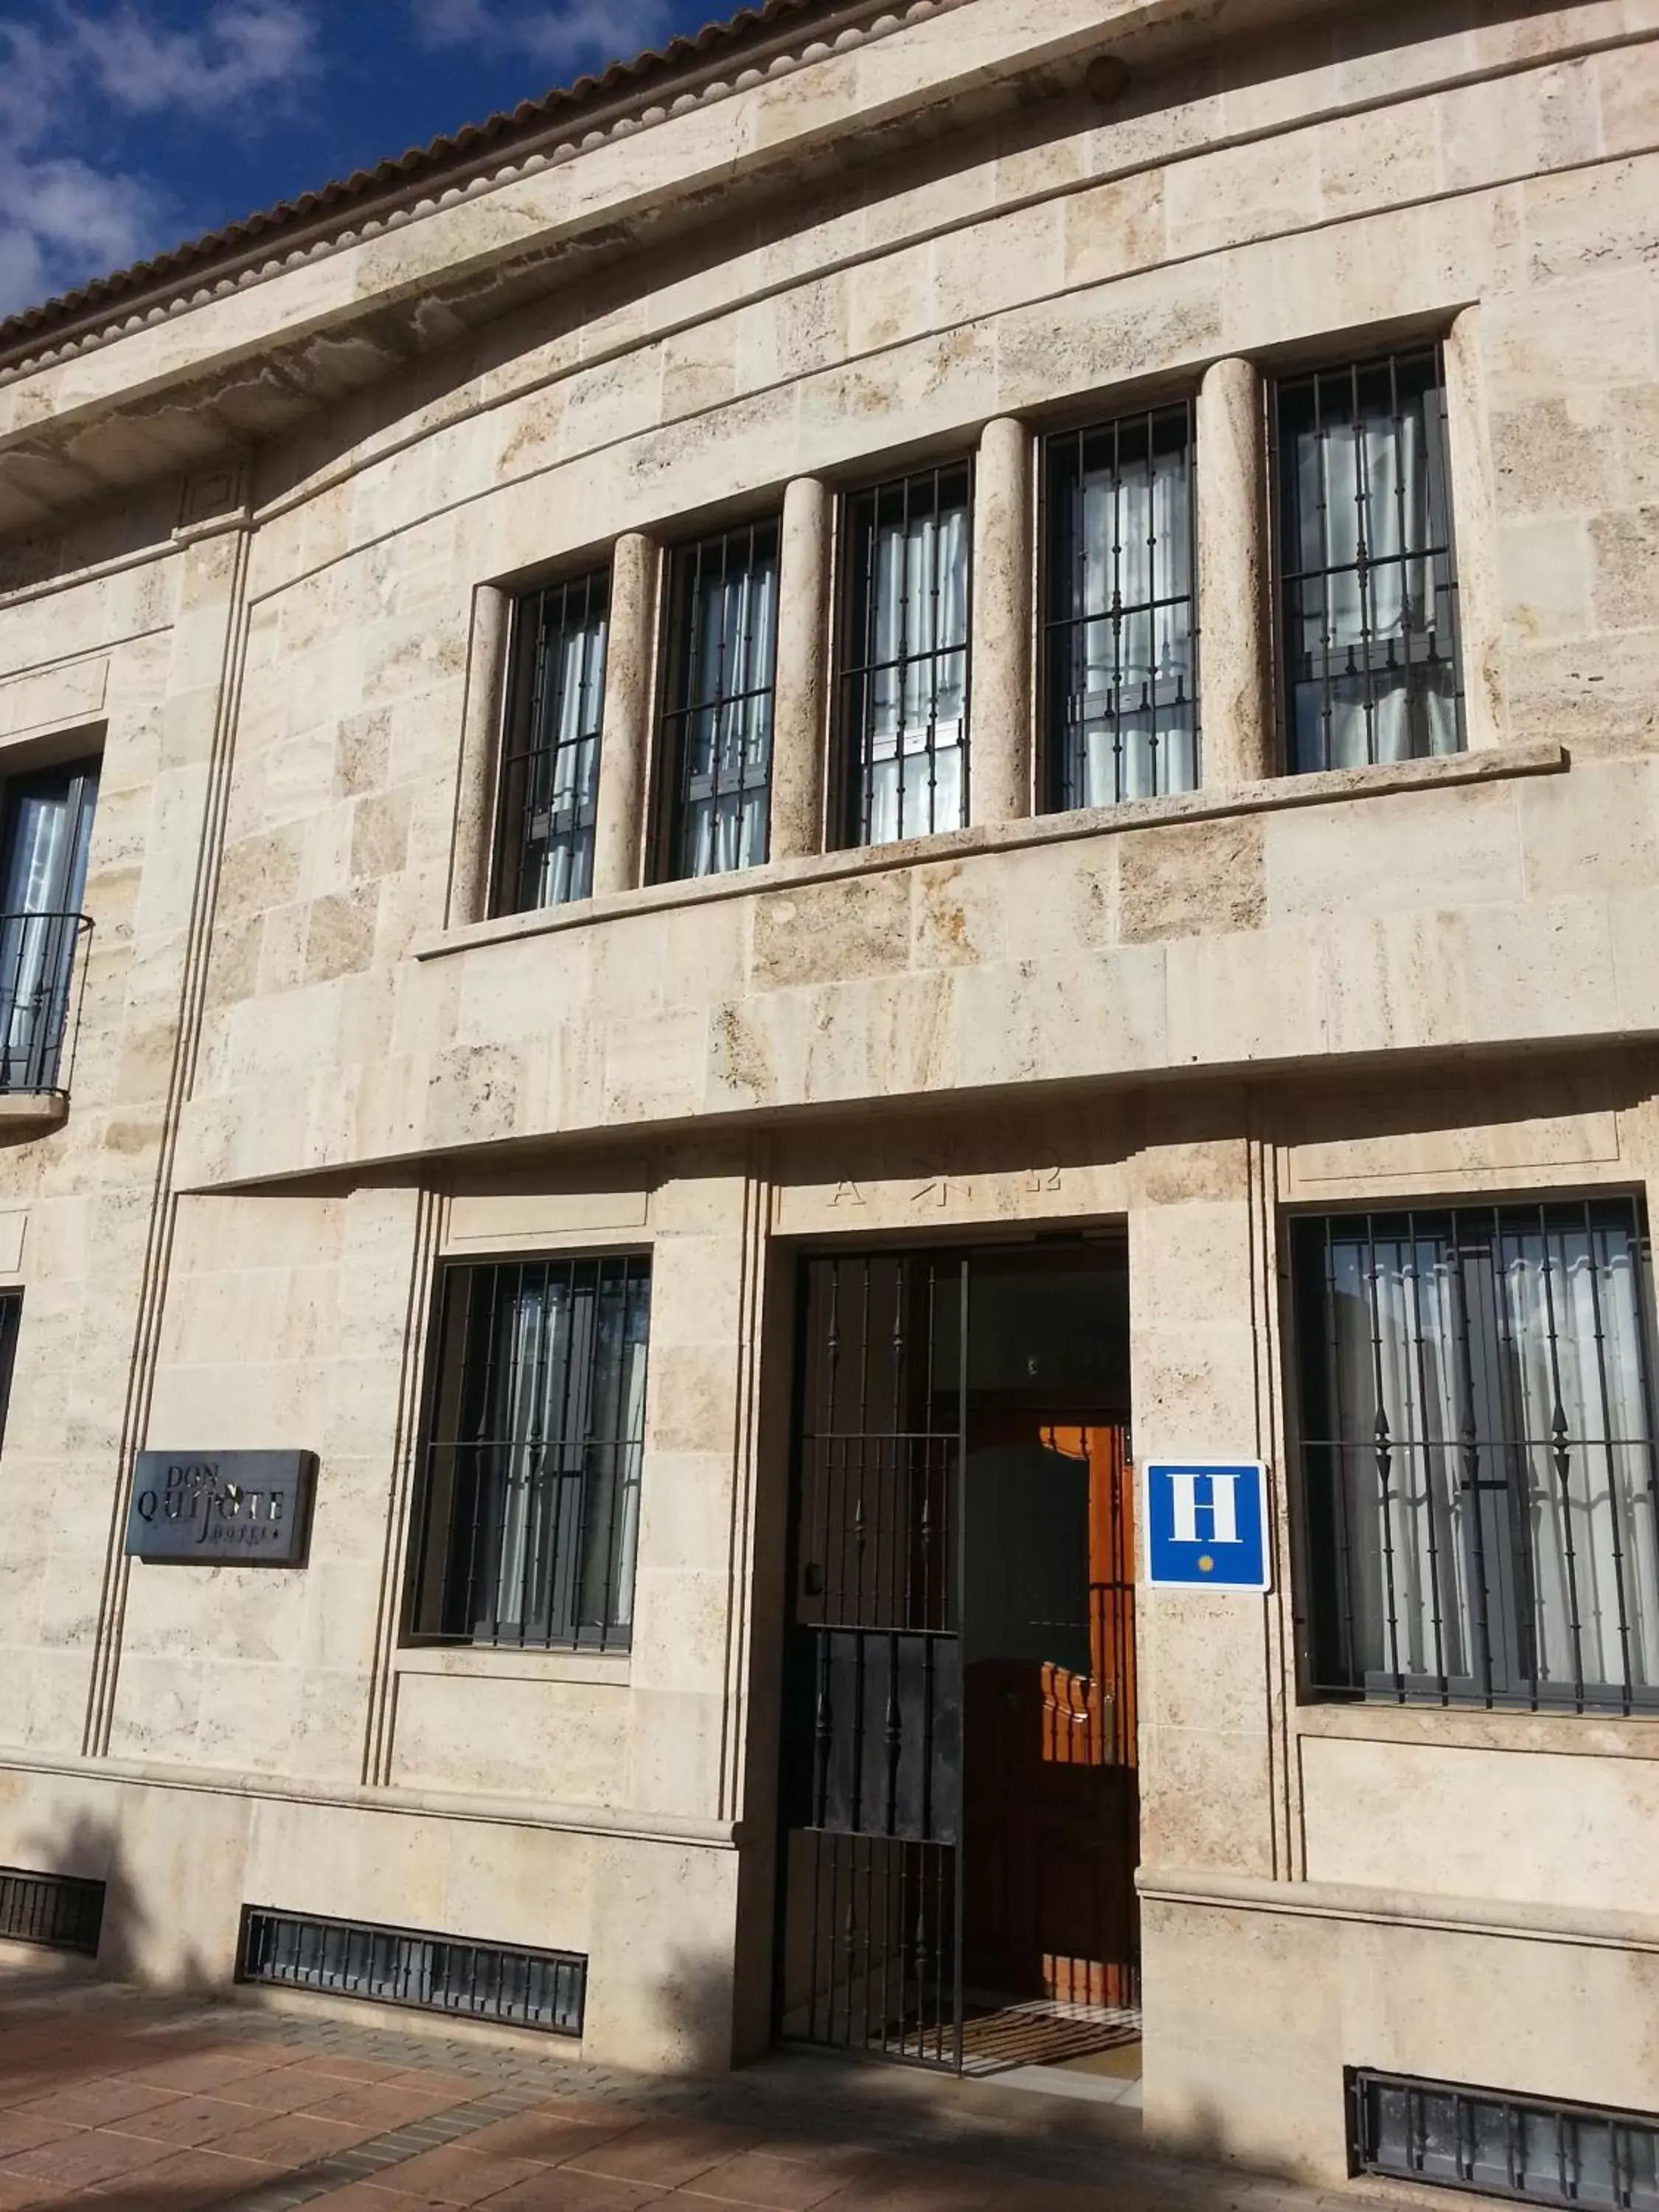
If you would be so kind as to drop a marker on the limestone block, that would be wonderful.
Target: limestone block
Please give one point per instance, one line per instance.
(1552, 1830)
(1193, 880)
(1361, 167)
(1545, 574)
(1596, 830)
(1627, 96)
(1086, 341)
(510, 1734)
(1113, 228)
(1206, 1793)
(827, 933)
(1556, 455)
(1625, 587)
(1044, 1020)
(1520, 125)
(1241, 193)
(1598, 694)
(1410, 850)
(1580, 224)
(674, 1738)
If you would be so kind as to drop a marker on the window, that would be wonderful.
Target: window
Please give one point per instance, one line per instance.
(1119, 616)
(1368, 582)
(551, 755)
(532, 1473)
(1531, 2149)
(1479, 1476)
(11, 1316)
(904, 660)
(43, 879)
(722, 661)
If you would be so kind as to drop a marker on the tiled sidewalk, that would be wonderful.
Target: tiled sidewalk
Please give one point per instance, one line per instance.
(126, 2104)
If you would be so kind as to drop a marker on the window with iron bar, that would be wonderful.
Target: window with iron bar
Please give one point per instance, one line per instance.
(549, 778)
(1367, 577)
(1480, 1477)
(534, 1439)
(904, 657)
(717, 720)
(497, 1982)
(1120, 613)
(1531, 2149)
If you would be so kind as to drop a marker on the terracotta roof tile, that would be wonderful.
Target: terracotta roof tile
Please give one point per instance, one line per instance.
(457, 152)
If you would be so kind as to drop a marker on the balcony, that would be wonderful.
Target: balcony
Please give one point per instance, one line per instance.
(42, 979)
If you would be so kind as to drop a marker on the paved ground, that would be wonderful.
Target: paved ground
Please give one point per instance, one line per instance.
(120, 2104)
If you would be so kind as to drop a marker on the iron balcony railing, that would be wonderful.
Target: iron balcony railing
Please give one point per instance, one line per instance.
(42, 982)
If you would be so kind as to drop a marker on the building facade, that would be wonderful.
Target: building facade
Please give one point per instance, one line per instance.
(783, 851)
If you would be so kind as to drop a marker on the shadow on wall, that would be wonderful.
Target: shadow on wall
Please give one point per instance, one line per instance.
(695, 2012)
(90, 1848)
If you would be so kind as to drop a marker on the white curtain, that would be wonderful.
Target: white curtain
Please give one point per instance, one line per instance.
(728, 734)
(1362, 487)
(1134, 711)
(568, 1423)
(916, 727)
(1540, 1308)
(568, 761)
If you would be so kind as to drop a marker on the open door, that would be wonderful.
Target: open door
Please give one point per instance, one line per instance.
(1051, 1807)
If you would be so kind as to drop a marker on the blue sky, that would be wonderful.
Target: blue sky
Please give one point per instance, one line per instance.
(127, 126)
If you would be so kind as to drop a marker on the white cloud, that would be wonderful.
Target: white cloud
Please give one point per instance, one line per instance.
(563, 34)
(64, 214)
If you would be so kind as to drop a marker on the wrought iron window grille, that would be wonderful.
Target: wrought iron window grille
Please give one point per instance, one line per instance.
(532, 1467)
(549, 768)
(51, 1912)
(1526, 2149)
(1368, 575)
(721, 676)
(1119, 610)
(43, 980)
(1479, 1471)
(499, 1982)
(904, 657)
(873, 1749)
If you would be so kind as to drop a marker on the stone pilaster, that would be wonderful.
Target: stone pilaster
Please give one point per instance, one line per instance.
(624, 743)
(799, 720)
(1236, 729)
(999, 741)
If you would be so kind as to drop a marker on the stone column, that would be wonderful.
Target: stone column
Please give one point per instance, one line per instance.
(1474, 533)
(1000, 735)
(481, 756)
(1232, 567)
(624, 742)
(799, 721)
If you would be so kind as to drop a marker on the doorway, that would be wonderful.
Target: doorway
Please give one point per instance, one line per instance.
(960, 1804)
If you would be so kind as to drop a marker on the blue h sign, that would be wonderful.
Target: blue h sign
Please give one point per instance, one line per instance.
(1207, 1524)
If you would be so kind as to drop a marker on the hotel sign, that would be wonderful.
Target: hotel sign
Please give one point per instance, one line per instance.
(245, 1508)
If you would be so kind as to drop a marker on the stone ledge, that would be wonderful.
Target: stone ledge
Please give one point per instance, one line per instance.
(1587, 1927)
(592, 1669)
(503, 1812)
(1277, 794)
(33, 1109)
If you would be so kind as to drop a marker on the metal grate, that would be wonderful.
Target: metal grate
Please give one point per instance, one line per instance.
(722, 663)
(904, 659)
(1500, 2145)
(54, 1911)
(11, 1320)
(41, 981)
(873, 1793)
(494, 1982)
(1368, 575)
(1480, 1473)
(551, 751)
(1119, 612)
(533, 1464)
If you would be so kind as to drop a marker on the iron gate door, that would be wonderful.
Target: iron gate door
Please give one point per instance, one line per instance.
(869, 1896)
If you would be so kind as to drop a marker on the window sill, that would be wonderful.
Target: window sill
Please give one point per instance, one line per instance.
(488, 1663)
(1475, 1728)
(1275, 794)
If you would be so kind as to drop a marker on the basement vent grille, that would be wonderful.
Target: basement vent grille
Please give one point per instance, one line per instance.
(1519, 2147)
(489, 1982)
(54, 1911)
